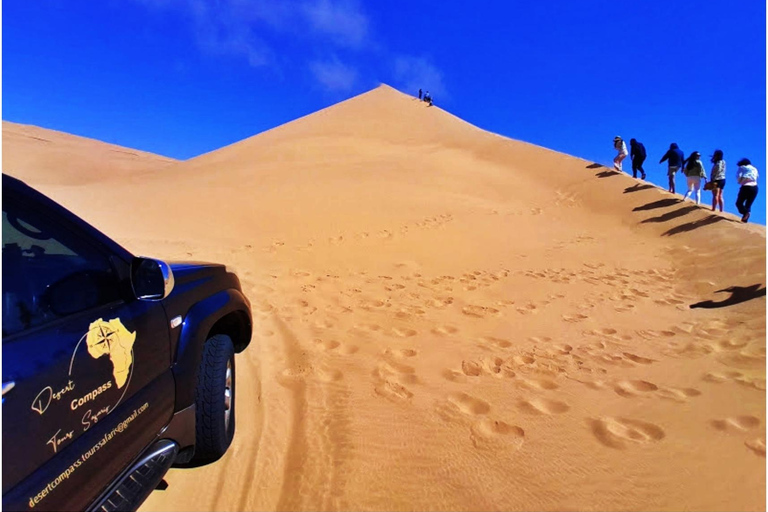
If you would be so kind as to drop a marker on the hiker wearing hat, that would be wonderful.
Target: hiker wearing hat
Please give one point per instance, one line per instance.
(694, 171)
(620, 146)
(674, 157)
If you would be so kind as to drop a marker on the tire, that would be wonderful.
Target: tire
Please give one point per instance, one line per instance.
(214, 428)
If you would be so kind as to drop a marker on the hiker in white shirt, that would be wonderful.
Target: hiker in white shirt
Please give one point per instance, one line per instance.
(620, 146)
(746, 176)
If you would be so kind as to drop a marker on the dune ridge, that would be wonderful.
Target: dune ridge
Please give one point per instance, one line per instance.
(447, 319)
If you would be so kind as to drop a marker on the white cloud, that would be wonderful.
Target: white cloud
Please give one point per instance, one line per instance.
(344, 22)
(239, 27)
(256, 30)
(333, 74)
(414, 73)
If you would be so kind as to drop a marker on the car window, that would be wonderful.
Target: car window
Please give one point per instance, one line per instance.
(48, 272)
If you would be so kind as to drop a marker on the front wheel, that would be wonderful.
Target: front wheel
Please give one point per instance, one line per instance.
(215, 399)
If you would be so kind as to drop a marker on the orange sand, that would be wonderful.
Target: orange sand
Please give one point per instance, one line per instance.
(447, 319)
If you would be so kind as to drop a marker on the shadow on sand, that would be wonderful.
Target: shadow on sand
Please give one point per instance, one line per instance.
(674, 214)
(595, 166)
(690, 226)
(638, 187)
(739, 294)
(607, 173)
(661, 203)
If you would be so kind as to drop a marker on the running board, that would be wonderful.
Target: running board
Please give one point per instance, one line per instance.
(137, 483)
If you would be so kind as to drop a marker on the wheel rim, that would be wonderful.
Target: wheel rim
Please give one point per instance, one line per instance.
(228, 395)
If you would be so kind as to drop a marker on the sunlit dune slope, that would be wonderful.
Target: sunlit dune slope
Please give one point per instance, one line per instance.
(48, 157)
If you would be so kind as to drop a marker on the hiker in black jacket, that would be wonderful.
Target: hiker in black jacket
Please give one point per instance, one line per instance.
(637, 153)
(675, 159)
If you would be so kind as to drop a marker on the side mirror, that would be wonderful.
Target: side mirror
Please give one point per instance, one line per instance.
(151, 279)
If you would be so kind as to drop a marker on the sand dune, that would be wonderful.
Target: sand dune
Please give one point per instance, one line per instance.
(446, 319)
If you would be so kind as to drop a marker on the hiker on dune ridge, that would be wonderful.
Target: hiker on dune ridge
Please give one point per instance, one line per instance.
(694, 171)
(637, 154)
(747, 178)
(620, 146)
(717, 179)
(674, 157)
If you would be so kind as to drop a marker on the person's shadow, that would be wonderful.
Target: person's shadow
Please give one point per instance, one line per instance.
(739, 294)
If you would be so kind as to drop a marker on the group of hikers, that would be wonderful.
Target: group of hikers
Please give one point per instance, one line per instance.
(694, 171)
(425, 97)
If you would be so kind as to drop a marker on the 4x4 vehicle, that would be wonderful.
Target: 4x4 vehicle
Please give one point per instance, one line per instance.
(115, 367)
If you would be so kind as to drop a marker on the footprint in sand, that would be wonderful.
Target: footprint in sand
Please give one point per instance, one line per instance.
(400, 353)
(637, 359)
(469, 404)
(544, 384)
(731, 345)
(634, 388)
(401, 332)
(736, 424)
(390, 378)
(471, 368)
(439, 302)
(619, 433)
(392, 390)
(528, 309)
(479, 311)
(454, 375)
(543, 406)
(329, 375)
(678, 395)
(737, 377)
(743, 361)
(445, 330)
(575, 318)
(757, 446)
(495, 434)
(496, 342)
(720, 377)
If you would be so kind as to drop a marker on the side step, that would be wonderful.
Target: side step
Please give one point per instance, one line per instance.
(138, 482)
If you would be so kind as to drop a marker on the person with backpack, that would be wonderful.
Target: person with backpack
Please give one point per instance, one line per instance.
(674, 157)
(717, 179)
(747, 178)
(637, 154)
(694, 171)
(620, 146)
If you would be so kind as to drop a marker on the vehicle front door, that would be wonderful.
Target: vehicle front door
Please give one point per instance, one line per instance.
(86, 367)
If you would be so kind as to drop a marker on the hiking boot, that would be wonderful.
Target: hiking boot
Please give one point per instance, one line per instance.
(745, 218)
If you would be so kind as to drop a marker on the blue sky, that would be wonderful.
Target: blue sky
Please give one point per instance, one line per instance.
(184, 77)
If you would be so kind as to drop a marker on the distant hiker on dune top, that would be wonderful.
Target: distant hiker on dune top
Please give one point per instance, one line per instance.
(419, 94)
(637, 153)
(694, 171)
(620, 146)
(675, 157)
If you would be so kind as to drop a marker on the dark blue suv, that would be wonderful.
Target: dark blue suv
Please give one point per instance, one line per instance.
(115, 367)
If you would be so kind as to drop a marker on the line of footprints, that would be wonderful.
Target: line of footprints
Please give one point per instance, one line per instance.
(393, 376)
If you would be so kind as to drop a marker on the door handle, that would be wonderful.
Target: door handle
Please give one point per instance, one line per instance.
(7, 386)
